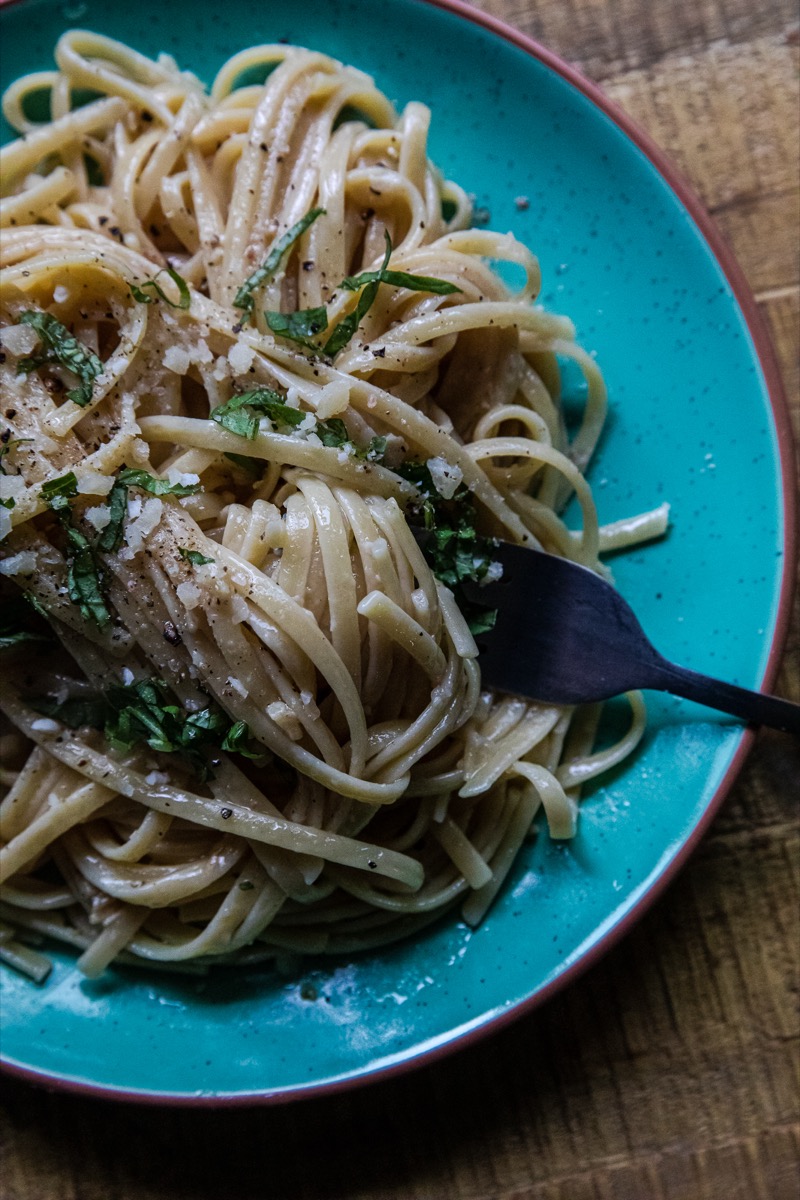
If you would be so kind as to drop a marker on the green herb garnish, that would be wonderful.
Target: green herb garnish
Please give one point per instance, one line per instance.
(193, 556)
(84, 579)
(454, 551)
(303, 325)
(251, 465)
(141, 295)
(244, 298)
(242, 413)
(110, 538)
(370, 281)
(58, 492)
(144, 713)
(237, 741)
(131, 477)
(300, 326)
(61, 347)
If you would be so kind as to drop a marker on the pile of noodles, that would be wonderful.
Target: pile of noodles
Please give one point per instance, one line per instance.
(278, 583)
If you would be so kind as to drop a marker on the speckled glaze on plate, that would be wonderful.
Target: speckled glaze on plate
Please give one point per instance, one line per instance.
(696, 418)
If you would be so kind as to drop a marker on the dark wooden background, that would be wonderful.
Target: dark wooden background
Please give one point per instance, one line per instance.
(670, 1070)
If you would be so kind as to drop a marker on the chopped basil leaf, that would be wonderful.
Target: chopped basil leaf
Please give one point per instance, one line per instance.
(415, 283)
(332, 432)
(250, 465)
(156, 487)
(144, 713)
(241, 413)
(57, 492)
(482, 620)
(244, 297)
(10, 502)
(370, 281)
(347, 327)
(193, 556)
(84, 585)
(300, 326)
(139, 293)
(455, 552)
(110, 538)
(60, 346)
(303, 325)
(83, 579)
(237, 741)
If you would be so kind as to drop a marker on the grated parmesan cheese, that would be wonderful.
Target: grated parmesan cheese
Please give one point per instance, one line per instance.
(99, 516)
(177, 359)
(184, 478)
(19, 339)
(285, 719)
(22, 563)
(93, 483)
(333, 398)
(239, 610)
(189, 595)
(446, 477)
(241, 356)
(143, 525)
(11, 487)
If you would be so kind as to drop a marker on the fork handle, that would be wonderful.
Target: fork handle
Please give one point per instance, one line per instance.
(755, 707)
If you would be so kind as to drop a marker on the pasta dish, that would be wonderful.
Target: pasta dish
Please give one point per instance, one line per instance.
(251, 340)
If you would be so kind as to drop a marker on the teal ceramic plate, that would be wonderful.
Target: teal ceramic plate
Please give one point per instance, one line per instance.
(696, 419)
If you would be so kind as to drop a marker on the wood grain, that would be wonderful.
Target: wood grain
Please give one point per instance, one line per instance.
(670, 1070)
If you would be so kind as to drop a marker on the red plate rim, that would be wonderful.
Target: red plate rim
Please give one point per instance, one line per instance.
(780, 411)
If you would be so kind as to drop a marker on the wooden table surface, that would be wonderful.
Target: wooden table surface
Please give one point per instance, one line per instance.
(671, 1069)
